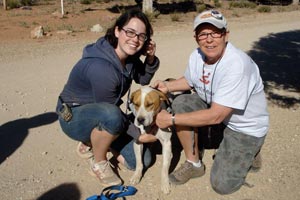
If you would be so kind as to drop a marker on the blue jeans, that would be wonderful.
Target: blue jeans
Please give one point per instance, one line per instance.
(108, 117)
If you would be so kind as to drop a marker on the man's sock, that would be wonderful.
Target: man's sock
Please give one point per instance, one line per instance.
(195, 164)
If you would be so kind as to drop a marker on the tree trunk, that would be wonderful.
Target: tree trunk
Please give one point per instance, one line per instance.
(62, 8)
(295, 2)
(148, 6)
(4, 5)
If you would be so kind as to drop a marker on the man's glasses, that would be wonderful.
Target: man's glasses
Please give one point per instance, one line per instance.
(203, 36)
(129, 33)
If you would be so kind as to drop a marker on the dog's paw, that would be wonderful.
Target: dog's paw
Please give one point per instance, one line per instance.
(166, 188)
(135, 179)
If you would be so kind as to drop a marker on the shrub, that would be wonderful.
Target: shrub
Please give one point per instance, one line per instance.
(175, 17)
(217, 4)
(242, 4)
(153, 15)
(85, 1)
(13, 4)
(201, 8)
(264, 9)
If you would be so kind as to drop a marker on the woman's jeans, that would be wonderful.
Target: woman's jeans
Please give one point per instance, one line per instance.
(108, 117)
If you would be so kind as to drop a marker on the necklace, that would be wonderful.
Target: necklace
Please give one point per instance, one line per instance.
(211, 83)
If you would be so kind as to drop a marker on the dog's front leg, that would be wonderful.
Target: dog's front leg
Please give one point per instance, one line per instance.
(167, 156)
(138, 149)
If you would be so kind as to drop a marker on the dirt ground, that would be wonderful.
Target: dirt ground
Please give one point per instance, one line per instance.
(37, 161)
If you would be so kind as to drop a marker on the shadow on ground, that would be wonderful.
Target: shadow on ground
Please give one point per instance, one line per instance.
(66, 191)
(278, 56)
(13, 133)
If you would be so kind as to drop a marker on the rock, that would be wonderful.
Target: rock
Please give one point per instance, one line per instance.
(37, 32)
(64, 32)
(97, 28)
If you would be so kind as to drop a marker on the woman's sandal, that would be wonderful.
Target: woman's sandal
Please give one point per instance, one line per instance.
(84, 151)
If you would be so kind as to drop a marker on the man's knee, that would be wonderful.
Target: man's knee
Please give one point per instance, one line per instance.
(187, 103)
(178, 104)
(223, 187)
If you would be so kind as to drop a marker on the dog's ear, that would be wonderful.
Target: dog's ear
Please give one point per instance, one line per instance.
(162, 96)
(135, 95)
(130, 104)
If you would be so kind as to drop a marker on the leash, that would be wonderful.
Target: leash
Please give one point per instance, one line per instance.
(106, 193)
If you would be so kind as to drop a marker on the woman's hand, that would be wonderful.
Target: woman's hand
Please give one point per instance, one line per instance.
(148, 136)
(150, 52)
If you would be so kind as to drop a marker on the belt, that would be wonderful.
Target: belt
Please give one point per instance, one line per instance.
(70, 105)
(73, 105)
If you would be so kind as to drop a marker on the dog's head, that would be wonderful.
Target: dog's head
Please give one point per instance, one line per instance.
(146, 103)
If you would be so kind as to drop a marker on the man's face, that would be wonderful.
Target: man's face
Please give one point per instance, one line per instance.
(212, 42)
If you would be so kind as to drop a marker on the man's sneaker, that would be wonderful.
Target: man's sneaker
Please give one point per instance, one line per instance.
(105, 173)
(185, 172)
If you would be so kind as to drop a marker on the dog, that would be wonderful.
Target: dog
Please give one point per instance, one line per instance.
(146, 103)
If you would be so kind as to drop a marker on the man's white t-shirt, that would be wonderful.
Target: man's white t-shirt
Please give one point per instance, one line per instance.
(234, 81)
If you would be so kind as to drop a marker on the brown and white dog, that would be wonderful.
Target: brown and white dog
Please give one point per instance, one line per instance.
(146, 103)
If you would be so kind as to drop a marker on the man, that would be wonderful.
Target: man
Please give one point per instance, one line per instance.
(228, 90)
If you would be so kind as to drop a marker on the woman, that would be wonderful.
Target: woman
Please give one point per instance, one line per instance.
(88, 106)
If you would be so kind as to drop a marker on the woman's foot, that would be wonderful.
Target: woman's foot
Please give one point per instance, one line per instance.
(84, 151)
(103, 171)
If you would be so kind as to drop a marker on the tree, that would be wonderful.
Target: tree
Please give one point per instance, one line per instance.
(148, 6)
(4, 4)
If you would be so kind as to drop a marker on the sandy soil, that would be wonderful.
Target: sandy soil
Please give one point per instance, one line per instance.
(39, 162)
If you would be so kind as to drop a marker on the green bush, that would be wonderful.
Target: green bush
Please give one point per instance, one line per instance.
(13, 4)
(217, 4)
(175, 17)
(27, 2)
(242, 4)
(201, 8)
(85, 1)
(153, 15)
(264, 9)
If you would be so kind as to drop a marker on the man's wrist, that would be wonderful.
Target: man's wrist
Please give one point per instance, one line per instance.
(166, 85)
(173, 119)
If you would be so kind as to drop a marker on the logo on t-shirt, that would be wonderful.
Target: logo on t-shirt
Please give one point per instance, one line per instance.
(205, 78)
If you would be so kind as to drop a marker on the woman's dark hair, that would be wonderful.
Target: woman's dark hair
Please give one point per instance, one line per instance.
(123, 20)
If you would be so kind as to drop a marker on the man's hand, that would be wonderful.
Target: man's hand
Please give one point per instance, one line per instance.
(161, 85)
(163, 119)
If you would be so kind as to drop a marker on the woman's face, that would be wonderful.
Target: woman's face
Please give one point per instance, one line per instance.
(212, 42)
(131, 38)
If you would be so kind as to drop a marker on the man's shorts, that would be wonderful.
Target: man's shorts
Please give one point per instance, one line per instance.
(235, 154)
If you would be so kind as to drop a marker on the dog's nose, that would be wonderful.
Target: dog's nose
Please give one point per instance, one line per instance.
(141, 120)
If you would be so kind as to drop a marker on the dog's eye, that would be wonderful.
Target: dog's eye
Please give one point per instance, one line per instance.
(149, 104)
(137, 104)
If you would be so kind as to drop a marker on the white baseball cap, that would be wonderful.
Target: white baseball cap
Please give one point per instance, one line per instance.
(213, 17)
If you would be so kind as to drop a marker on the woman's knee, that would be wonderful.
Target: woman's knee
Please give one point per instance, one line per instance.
(111, 118)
